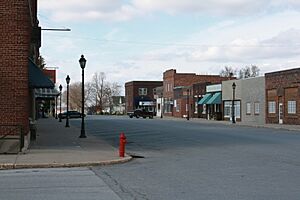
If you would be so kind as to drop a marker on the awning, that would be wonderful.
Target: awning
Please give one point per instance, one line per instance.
(215, 99)
(37, 79)
(46, 93)
(204, 99)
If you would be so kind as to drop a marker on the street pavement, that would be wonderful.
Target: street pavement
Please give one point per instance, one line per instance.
(180, 159)
(58, 146)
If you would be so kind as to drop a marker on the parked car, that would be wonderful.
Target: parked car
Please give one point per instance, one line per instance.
(141, 113)
(72, 114)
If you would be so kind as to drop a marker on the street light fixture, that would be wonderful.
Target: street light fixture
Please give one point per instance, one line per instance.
(67, 117)
(60, 94)
(82, 62)
(233, 99)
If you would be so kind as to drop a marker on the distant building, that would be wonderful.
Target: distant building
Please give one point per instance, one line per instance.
(140, 94)
(249, 104)
(118, 105)
(158, 96)
(283, 97)
(182, 91)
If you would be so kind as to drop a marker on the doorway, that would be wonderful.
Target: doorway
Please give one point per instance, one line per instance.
(280, 113)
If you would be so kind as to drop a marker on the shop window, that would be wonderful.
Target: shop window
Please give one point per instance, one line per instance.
(227, 108)
(256, 108)
(272, 107)
(291, 107)
(248, 108)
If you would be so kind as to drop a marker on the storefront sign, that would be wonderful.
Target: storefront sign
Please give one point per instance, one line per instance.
(214, 88)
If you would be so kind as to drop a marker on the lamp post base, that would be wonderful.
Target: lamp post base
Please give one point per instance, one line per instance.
(82, 135)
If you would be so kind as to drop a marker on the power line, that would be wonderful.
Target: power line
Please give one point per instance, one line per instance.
(266, 45)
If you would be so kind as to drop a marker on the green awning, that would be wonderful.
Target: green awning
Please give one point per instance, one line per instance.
(204, 99)
(215, 99)
(37, 79)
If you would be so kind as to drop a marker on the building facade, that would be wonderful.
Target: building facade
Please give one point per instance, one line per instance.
(283, 97)
(20, 38)
(179, 90)
(249, 104)
(140, 94)
(211, 102)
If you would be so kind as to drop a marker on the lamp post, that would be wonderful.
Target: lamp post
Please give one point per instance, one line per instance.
(67, 117)
(161, 107)
(60, 94)
(233, 98)
(188, 105)
(82, 62)
(56, 107)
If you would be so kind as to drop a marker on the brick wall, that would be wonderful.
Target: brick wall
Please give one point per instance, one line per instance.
(173, 79)
(15, 38)
(132, 91)
(281, 87)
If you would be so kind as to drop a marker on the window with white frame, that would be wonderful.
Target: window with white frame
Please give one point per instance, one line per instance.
(291, 107)
(227, 108)
(142, 91)
(256, 108)
(272, 107)
(248, 108)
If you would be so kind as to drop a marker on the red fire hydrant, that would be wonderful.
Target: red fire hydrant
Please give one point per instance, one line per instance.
(122, 145)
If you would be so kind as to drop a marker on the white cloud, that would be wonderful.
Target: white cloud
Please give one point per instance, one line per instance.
(118, 10)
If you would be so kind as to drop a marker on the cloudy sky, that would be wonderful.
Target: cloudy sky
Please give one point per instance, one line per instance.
(140, 39)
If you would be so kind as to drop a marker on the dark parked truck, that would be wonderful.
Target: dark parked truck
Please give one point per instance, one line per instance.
(141, 113)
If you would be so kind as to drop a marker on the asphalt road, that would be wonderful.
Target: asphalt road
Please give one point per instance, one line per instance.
(190, 160)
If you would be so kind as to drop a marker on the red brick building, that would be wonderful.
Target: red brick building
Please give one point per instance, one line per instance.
(20, 38)
(140, 94)
(283, 97)
(183, 90)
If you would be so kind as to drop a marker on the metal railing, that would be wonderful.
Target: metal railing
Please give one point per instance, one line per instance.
(12, 132)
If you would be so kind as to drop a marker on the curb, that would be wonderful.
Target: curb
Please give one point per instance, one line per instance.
(65, 165)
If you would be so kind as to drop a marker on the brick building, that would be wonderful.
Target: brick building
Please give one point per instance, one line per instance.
(140, 94)
(283, 97)
(182, 91)
(20, 38)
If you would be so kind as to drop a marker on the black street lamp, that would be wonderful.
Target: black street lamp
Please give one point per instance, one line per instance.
(161, 107)
(56, 106)
(233, 98)
(60, 89)
(67, 117)
(82, 62)
(188, 105)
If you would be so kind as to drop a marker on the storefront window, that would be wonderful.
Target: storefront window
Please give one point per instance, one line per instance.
(248, 108)
(291, 107)
(271, 106)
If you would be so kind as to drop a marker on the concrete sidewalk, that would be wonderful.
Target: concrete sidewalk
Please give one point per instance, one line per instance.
(58, 146)
(205, 121)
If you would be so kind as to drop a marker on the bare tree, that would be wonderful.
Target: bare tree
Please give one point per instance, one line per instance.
(247, 72)
(228, 72)
(254, 71)
(111, 89)
(41, 62)
(75, 96)
(97, 90)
